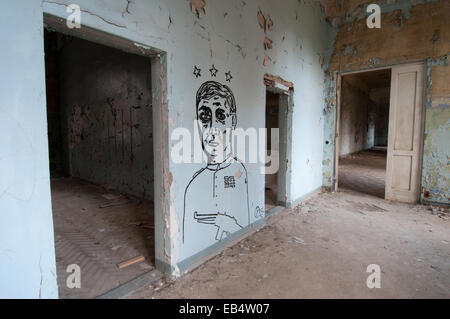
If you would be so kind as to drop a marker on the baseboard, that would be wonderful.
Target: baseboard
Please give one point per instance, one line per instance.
(434, 203)
(201, 257)
(274, 210)
(129, 287)
(290, 204)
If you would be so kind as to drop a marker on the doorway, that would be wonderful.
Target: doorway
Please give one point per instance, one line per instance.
(278, 119)
(272, 123)
(379, 132)
(363, 131)
(100, 130)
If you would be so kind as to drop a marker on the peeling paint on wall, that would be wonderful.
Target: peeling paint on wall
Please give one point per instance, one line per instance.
(198, 7)
(411, 31)
(297, 31)
(436, 159)
(261, 20)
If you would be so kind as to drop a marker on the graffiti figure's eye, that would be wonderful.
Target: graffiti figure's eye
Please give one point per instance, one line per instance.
(205, 115)
(220, 116)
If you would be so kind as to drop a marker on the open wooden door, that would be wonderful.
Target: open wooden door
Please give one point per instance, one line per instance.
(404, 157)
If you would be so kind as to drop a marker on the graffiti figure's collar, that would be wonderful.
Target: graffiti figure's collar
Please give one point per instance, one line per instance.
(227, 162)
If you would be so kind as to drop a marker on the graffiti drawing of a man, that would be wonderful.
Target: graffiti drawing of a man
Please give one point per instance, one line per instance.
(216, 199)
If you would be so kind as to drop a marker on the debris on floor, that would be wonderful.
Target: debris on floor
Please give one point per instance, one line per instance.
(110, 196)
(97, 239)
(130, 262)
(341, 243)
(298, 240)
(441, 212)
(116, 202)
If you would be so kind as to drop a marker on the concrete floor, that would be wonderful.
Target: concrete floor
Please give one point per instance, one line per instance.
(96, 229)
(364, 172)
(321, 249)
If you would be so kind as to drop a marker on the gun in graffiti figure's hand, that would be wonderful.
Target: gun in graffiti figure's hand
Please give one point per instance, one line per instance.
(226, 224)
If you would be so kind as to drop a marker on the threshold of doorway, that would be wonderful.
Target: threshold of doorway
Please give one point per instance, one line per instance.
(274, 210)
(131, 286)
(155, 275)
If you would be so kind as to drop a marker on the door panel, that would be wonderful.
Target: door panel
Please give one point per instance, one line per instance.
(404, 114)
(405, 134)
(401, 180)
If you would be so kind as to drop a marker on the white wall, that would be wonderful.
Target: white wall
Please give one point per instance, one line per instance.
(27, 259)
(228, 36)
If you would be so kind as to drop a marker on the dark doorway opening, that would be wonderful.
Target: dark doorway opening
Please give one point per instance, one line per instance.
(272, 121)
(100, 130)
(363, 131)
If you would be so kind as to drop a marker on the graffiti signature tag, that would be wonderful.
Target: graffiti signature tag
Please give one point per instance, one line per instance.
(259, 212)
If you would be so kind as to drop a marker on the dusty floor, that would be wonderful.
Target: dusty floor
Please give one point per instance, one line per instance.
(96, 229)
(364, 172)
(321, 249)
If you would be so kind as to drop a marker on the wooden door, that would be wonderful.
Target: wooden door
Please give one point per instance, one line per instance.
(404, 157)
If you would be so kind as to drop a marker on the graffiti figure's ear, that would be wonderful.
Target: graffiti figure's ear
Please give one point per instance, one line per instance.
(234, 115)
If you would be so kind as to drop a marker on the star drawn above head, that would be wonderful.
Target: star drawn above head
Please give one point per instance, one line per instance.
(213, 71)
(197, 71)
(228, 76)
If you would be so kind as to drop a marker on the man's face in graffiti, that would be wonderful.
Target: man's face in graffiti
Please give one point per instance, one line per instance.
(216, 118)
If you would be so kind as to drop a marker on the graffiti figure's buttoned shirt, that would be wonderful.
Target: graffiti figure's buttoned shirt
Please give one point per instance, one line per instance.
(215, 204)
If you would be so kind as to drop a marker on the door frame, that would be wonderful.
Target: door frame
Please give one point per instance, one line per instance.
(285, 90)
(338, 94)
(162, 176)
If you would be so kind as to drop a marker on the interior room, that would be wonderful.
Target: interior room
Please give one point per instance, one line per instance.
(115, 114)
(99, 109)
(363, 131)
